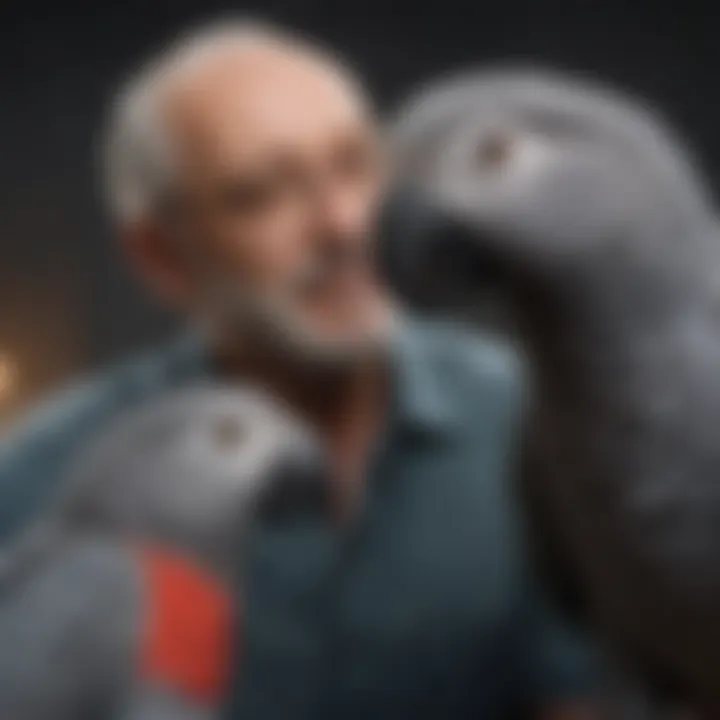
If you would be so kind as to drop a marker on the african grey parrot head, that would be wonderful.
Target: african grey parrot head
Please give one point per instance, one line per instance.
(194, 467)
(546, 178)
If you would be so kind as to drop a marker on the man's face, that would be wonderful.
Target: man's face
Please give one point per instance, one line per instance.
(279, 185)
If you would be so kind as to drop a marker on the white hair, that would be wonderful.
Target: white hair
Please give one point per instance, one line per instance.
(136, 154)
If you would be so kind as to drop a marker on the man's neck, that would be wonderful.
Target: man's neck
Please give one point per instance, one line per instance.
(322, 394)
(346, 405)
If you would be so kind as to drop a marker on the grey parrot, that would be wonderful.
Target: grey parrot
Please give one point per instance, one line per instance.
(589, 218)
(122, 603)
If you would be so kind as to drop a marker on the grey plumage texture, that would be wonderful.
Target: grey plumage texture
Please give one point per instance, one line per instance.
(68, 634)
(186, 472)
(589, 215)
(190, 470)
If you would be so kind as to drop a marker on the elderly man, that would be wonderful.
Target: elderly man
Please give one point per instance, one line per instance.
(245, 174)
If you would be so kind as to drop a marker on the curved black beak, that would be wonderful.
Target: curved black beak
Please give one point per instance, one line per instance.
(430, 259)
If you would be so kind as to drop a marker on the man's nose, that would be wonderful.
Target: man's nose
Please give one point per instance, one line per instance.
(341, 214)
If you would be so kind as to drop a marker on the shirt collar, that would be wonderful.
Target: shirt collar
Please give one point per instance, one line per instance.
(419, 402)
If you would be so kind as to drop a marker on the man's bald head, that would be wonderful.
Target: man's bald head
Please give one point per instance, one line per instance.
(173, 89)
(245, 174)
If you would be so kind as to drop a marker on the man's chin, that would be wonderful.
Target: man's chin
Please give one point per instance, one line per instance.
(334, 349)
(331, 343)
(275, 329)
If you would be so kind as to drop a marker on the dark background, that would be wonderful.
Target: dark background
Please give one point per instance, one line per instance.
(66, 304)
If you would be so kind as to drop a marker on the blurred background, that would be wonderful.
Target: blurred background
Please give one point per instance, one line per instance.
(66, 305)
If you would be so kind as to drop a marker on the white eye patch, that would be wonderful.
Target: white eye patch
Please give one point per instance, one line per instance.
(496, 165)
(530, 157)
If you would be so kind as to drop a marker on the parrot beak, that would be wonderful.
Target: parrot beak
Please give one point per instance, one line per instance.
(299, 488)
(430, 258)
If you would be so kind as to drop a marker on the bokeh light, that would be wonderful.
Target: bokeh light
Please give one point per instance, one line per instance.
(8, 377)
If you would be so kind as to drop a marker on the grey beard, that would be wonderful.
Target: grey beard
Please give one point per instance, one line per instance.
(247, 319)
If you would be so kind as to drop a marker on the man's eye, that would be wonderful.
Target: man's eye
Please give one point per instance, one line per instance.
(250, 196)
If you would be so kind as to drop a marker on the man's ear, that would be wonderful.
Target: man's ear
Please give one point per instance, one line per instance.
(160, 260)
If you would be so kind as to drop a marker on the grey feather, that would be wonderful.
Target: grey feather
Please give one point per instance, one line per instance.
(596, 224)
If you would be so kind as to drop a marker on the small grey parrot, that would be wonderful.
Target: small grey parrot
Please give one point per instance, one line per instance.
(122, 603)
(590, 219)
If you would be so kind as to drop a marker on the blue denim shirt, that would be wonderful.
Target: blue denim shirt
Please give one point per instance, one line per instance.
(422, 608)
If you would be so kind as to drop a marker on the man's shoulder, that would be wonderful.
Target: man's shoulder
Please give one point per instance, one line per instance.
(471, 362)
(86, 401)
(35, 452)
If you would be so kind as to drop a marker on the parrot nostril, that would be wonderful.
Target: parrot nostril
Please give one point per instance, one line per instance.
(494, 151)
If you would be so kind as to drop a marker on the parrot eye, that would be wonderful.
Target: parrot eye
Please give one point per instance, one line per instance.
(228, 433)
(494, 151)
